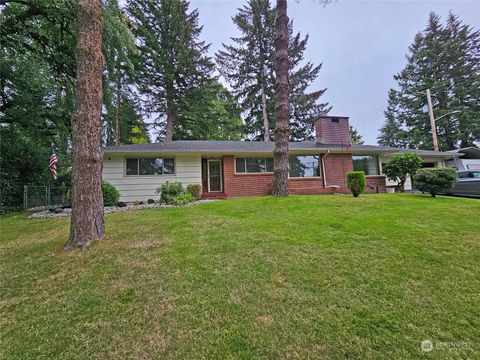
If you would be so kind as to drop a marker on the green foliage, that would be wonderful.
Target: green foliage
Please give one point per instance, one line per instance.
(23, 161)
(37, 66)
(183, 199)
(444, 58)
(110, 194)
(172, 59)
(195, 190)
(248, 67)
(356, 182)
(435, 180)
(355, 136)
(168, 191)
(121, 56)
(401, 166)
(209, 112)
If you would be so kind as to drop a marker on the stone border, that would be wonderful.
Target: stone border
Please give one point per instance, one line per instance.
(45, 214)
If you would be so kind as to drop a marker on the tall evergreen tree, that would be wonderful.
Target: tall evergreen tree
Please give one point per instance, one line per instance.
(355, 136)
(248, 67)
(209, 112)
(446, 60)
(121, 53)
(173, 60)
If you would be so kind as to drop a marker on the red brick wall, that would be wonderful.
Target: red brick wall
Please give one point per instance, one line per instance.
(336, 168)
(332, 130)
(375, 181)
(244, 184)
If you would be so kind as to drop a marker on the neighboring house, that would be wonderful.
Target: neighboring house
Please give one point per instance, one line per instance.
(469, 159)
(244, 168)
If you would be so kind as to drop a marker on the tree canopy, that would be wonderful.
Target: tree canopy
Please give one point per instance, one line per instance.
(444, 58)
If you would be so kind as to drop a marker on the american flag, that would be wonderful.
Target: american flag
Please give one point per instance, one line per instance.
(52, 166)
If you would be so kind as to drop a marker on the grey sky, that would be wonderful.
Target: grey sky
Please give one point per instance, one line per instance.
(361, 44)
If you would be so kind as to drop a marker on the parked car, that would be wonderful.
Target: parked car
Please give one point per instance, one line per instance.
(468, 184)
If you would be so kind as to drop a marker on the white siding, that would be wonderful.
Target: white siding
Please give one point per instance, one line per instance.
(188, 170)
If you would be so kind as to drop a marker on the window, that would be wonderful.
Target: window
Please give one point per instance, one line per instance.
(150, 166)
(253, 165)
(304, 166)
(367, 164)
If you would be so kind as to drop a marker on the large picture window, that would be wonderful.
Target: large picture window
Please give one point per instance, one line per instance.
(304, 166)
(252, 165)
(366, 163)
(150, 166)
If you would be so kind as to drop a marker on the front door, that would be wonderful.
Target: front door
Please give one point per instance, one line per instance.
(215, 176)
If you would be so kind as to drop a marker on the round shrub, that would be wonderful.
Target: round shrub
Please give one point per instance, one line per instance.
(183, 199)
(356, 182)
(110, 194)
(435, 180)
(195, 190)
(168, 191)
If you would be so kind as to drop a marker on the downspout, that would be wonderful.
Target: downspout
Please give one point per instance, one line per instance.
(323, 169)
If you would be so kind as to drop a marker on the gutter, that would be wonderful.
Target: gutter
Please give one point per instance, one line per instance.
(323, 170)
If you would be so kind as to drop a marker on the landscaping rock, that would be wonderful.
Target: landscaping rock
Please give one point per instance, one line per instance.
(122, 206)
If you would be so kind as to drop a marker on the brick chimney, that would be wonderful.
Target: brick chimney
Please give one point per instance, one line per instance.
(332, 130)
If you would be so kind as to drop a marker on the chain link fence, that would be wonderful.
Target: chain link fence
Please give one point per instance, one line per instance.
(37, 198)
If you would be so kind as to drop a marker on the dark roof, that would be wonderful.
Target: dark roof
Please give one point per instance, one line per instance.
(470, 152)
(189, 146)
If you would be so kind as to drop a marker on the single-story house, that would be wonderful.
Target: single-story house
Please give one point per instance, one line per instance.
(244, 168)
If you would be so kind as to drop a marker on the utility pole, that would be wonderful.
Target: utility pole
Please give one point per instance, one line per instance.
(432, 122)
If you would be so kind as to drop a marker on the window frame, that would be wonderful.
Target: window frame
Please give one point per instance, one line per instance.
(149, 157)
(320, 167)
(377, 161)
(245, 164)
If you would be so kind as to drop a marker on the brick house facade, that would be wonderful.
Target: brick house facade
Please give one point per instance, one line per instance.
(244, 168)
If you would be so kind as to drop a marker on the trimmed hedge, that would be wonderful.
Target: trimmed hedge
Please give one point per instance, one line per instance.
(110, 194)
(356, 182)
(435, 180)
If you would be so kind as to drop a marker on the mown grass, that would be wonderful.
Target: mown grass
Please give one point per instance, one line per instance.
(303, 277)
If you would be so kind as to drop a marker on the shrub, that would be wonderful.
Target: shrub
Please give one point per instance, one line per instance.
(183, 199)
(400, 166)
(168, 191)
(110, 194)
(356, 182)
(435, 180)
(195, 190)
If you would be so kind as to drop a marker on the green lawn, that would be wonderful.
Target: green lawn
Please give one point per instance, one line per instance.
(303, 277)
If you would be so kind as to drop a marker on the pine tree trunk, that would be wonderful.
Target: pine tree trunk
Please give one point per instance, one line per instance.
(266, 123)
(282, 89)
(87, 222)
(170, 116)
(118, 106)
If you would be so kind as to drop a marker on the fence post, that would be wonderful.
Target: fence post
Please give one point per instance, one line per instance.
(46, 197)
(25, 195)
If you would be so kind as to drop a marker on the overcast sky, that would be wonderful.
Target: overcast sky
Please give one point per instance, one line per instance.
(361, 44)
